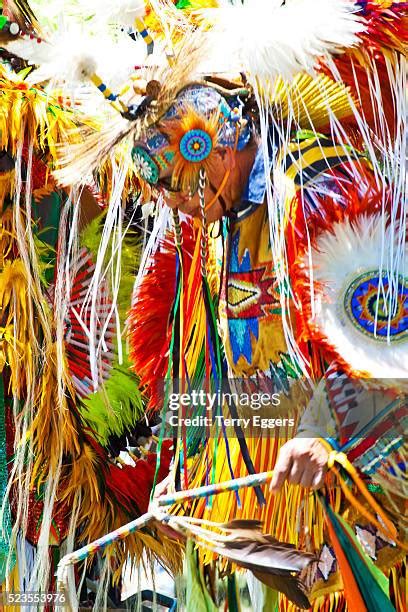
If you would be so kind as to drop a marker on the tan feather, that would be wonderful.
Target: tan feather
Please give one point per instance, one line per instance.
(290, 586)
(277, 564)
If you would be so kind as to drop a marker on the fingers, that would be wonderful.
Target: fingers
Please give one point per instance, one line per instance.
(161, 487)
(281, 471)
(296, 473)
(300, 462)
(308, 477)
(318, 480)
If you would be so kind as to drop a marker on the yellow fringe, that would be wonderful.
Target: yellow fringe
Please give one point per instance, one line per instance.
(312, 100)
(282, 515)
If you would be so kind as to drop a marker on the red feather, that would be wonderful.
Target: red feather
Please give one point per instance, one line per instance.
(149, 318)
(133, 484)
(76, 341)
(386, 31)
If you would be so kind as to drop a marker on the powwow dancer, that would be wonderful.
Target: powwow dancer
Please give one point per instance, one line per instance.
(301, 292)
(305, 279)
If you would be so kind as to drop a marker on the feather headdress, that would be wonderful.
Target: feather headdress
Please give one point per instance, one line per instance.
(332, 28)
(83, 159)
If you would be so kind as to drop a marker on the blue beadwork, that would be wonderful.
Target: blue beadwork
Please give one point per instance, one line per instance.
(156, 141)
(196, 145)
(368, 310)
(241, 330)
(146, 166)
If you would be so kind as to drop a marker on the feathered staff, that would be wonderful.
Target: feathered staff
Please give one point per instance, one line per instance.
(277, 564)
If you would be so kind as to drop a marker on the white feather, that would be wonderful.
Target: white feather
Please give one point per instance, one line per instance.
(266, 39)
(102, 11)
(65, 54)
(125, 12)
(342, 255)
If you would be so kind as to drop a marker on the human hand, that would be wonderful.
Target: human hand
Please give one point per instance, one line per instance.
(301, 461)
(161, 487)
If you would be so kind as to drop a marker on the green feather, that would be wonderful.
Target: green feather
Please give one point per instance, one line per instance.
(271, 599)
(116, 407)
(233, 594)
(371, 581)
(130, 259)
(119, 404)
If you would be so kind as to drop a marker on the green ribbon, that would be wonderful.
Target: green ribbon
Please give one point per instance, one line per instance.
(5, 528)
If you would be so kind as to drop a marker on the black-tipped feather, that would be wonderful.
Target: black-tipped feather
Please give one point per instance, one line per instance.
(290, 586)
(276, 564)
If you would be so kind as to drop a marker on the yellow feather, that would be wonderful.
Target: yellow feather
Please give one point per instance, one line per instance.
(311, 100)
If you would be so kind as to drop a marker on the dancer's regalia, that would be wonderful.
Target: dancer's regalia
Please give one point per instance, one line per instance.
(300, 289)
(69, 403)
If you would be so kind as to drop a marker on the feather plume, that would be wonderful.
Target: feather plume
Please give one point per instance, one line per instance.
(124, 12)
(59, 62)
(310, 101)
(290, 586)
(117, 406)
(267, 38)
(25, 108)
(77, 161)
